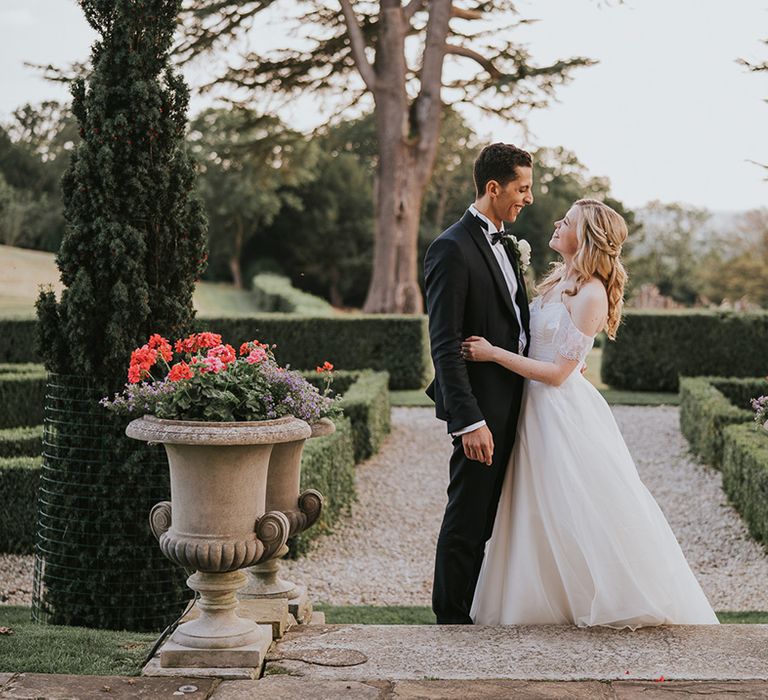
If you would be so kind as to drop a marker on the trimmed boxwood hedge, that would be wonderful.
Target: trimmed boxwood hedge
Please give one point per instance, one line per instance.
(18, 339)
(19, 478)
(653, 349)
(745, 475)
(365, 401)
(21, 442)
(22, 396)
(705, 410)
(274, 292)
(395, 344)
(366, 404)
(328, 464)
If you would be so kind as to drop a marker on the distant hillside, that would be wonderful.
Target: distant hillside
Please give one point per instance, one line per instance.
(23, 272)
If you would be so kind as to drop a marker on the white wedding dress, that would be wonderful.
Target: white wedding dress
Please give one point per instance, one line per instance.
(578, 539)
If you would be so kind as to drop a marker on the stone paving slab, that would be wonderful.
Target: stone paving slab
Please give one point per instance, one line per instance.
(546, 652)
(53, 687)
(31, 686)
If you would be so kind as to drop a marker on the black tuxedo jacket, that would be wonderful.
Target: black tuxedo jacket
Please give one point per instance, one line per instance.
(467, 295)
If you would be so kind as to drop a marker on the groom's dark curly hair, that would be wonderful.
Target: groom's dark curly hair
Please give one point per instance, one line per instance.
(498, 162)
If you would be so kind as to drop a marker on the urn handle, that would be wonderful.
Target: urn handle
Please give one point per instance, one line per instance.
(160, 518)
(272, 529)
(311, 504)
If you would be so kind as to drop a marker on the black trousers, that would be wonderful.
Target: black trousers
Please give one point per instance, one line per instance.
(473, 496)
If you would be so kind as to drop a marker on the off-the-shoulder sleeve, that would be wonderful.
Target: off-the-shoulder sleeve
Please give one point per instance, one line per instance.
(570, 342)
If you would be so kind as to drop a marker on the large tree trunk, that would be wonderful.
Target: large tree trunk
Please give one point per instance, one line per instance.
(408, 137)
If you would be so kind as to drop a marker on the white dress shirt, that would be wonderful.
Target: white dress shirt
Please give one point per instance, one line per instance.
(508, 273)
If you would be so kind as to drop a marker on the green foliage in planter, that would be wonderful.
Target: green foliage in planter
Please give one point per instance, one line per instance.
(275, 293)
(22, 395)
(704, 412)
(653, 349)
(745, 475)
(328, 465)
(395, 344)
(19, 478)
(21, 442)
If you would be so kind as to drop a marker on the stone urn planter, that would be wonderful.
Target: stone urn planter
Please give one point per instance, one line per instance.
(219, 521)
(301, 509)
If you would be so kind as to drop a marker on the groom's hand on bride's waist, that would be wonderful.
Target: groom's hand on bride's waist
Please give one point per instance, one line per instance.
(478, 445)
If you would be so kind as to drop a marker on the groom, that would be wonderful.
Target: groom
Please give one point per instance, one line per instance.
(474, 287)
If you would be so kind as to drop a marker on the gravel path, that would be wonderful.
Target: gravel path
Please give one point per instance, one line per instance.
(384, 553)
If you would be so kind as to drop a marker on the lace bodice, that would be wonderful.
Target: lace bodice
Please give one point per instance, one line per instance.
(554, 333)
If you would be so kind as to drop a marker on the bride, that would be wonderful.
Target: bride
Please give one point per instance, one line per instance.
(577, 537)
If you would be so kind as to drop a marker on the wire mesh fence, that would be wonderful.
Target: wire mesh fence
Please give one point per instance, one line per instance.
(96, 561)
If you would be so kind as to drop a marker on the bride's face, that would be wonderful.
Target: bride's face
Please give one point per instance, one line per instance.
(564, 239)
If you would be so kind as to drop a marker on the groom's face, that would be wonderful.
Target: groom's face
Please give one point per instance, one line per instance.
(516, 194)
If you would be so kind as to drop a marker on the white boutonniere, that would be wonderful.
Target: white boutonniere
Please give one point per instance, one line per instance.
(521, 247)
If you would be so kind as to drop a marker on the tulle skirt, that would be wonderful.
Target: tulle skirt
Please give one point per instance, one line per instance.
(578, 538)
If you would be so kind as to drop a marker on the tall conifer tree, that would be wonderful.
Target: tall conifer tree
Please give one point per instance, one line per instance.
(133, 247)
(136, 232)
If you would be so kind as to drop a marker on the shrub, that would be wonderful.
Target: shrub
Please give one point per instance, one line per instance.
(395, 344)
(745, 475)
(366, 404)
(19, 479)
(276, 293)
(18, 339)
(22, 397)
(704, 411)
(740, 391)
(653, 349)
(21, 442)
(328, 465)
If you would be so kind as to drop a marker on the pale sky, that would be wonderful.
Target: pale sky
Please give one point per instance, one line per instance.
(667, 114)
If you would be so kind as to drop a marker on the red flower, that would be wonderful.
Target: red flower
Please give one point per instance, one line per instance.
(181, 370)
(198, 341)
(134, 374)
(160, 344)
(142, 360)
(246, 348)
(326, 367)
(207, 340)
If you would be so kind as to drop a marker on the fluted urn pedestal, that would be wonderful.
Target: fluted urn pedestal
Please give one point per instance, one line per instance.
(217, 523)
(302, 511)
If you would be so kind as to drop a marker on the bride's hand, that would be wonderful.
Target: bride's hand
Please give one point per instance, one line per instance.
(477, 349)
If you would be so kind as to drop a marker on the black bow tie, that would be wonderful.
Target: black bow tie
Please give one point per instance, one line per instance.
(495, 237)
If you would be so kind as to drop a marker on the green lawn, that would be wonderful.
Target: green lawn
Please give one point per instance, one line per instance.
(24, 271)
(35, 648)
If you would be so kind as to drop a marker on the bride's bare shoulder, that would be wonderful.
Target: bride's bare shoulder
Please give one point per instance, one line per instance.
(589, 307)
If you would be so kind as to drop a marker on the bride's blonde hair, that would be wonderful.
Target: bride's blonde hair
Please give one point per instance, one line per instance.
(600, 232)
